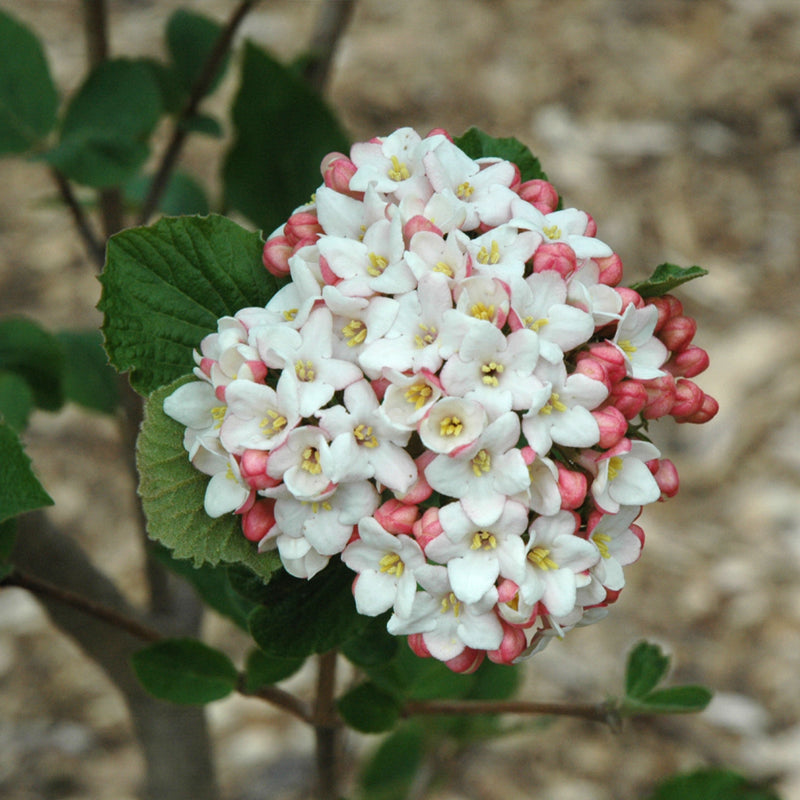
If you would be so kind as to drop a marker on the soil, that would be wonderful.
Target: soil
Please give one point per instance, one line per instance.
(676, 123)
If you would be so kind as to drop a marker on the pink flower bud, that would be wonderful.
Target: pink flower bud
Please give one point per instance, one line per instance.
(205, 365)
(258, 369)
(591, 226)
(379, 386)
(708, 410)
(572, 486)
(427, 527)
(661, 396)
(688, 399)
(629, 397)
(421, 490)
(302, 225)
(513, 643)
(259, 520)
(688, 363)
(418, 646)
(613, 426)
(328, 275)
(337, 170)
(592, 368)
(275, 257)
(677, 333)
(506, 590)
(467, 662)
(439, 132)
(516, 181)
(253, 468)
(540, 194)
(668, 307)
(397, 517)
(610, 357)
(610, 269)
(419, 223)
(629, 297)
(556, 256)
(666, 476)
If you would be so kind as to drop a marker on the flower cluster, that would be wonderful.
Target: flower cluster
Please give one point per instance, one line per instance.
(450, 395)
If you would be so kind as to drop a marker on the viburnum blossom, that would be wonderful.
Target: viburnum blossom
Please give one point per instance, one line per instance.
(451, 394)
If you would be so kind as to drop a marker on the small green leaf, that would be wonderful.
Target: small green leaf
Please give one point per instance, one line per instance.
(673, 700)
(28, 96)
(267, 175)
(36, 355)
(190, 40)
(477, 144)
(185, 671)
(89, 379)
(304, 617)
(392, 769)
(371, 646)
(172, 493)
(183, 195)
(8, 535)
(165, 286)
(369, 709)
(16, 400)
(105, 130)
(711, 783)
(203, 124)
(20, 490)
(665, 278)
(646, 666)
(264, 669)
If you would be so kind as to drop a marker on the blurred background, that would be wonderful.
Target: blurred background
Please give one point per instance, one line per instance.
(676, 124)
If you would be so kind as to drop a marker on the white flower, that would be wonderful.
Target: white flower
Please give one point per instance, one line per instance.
(643, 352)
(503, 252)
(567, 225)
(623, 478)
(301, 464)
(196, 406)
(452, 424)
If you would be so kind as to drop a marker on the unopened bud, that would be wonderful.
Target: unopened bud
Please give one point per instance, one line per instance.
(419, 223)
(677, 333)
(427, 527)
(688, 399)
(259, 520)
(629, 397)
(666, 475)
(613, 425)
(513, 643)
(688, 363)
(467, 662)
(540, 194)
(337, 170)
(275, 256)
(661, 396)
(708, 410)
(572, 486)
(253, 469)
(300, 226)
(397, 517)
(610, 269)
(556, 256)
(668, 307)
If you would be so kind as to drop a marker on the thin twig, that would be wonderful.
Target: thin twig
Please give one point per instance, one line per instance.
(197, 93)
(331, 24)
(90, 238)
(326, 728)
(279, 698)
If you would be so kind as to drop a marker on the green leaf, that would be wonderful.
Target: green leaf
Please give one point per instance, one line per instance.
(185, 671)
(165, 286)
(477, 144)
(107, 124)
(264, 669)
(28, 96)
(183, 195)
(190, 40)
(204, 124)
(172, 493)
(494, 682)
(369, 709)
(673, 700)
(304, 617)
(16, 400)
(371, 646)
(665, 278)
(392, 769)
(711, 783)
(283, 130)
(36, 355)
(8, 535)
(89, 379)
(20, 490)
(646, 666)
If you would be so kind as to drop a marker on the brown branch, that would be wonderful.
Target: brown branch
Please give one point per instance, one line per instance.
(327, 726)
(331, 24)
(97, 251)
(278, 698)
(198, 91)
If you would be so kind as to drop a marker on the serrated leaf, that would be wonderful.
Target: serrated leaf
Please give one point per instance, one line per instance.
(28, 96)
(264, 669)
(103, 139)
(190, 40)
(183, 195)
(172, 493)
(166, 285)
(267, 175)
(16, 400)
(646, 666)
(36, 355)
(712, 783)
(89, 379)
(477, 144)
(185, 671)
(391, 771)
(20, 490)
(665, 278)
(302, 617)
(369, 709)
(674, 700)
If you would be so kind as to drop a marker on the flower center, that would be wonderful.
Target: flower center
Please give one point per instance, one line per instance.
(614, 467)
(444, 268)
(290, 314)
(218, 413)
(483, 540)
(451, 603)
(554, 403)
(627, 347)
(399, 171)
(540, 558)
(481, 311)
(418, 394)
(481, 463)
(304, 371)
(489, 256)
(535, 324)
(552, 232)
(490, 372)
(392, 564)
(464, 190)
(377, 265)
(273, 422)
(310, 462)
(602, 540)
(324, 505)
(428, 335)
(354, 332)
(364, 436)
(450, 426)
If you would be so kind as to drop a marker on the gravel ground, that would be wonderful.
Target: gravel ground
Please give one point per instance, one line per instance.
(676, 123)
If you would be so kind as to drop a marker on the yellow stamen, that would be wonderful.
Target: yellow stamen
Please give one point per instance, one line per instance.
(273, 422)
(427, 337)
(363, 434)
(290, 314)
(450, 426)
(399, 171)
(540, 557)
(535, 324)
(483, 540)
(324, 505)
(481, 311)
(464, 190)
(354, 332)
(218, 413)
(490, 372)
(489, 257)
(602, 540)
(310, 462)
(614, 467)
(451, 602)
(627, 346)
(418, 394)
(552, 232)
(304, 371)
(392, 564)
(482, 462)
(554, 403)
(377, 264)
(445, 269)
